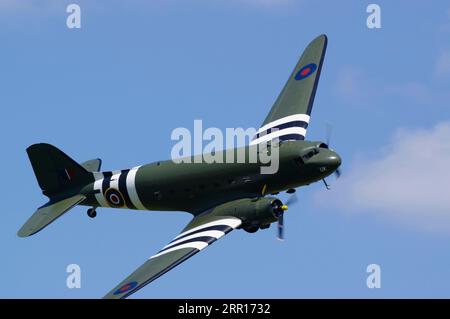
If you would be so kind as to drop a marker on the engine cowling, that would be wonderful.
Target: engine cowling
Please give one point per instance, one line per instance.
(258, 212)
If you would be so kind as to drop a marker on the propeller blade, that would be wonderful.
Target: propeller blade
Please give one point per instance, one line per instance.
(281, 227)
(329, 131)
(338, 173)
(292, 199)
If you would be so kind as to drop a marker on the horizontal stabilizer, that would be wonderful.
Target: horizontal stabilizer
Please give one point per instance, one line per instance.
(92, 165)
(47, 214)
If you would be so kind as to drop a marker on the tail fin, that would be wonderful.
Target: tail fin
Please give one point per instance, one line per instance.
(61, 179)
(56, 172)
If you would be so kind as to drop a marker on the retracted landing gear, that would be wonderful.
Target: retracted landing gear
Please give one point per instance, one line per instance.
(91, 212)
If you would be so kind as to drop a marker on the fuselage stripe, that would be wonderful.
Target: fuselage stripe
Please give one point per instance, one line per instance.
(105, 185)
(131, 187)
(98, 187)
(123, 188)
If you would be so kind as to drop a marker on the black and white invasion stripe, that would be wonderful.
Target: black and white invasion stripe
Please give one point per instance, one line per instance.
(201, 236)
(122, 181)
(292, 127)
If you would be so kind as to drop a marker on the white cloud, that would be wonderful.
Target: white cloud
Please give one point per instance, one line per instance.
(409, 182)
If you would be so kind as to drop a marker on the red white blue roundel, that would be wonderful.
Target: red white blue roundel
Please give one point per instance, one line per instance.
(306, 71)
(114, 197)
(126, 287)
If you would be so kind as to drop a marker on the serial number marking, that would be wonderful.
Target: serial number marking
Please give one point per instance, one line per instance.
(245, 308)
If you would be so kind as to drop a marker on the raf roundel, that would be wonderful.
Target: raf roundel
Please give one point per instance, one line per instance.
(114, 197)
(306, 71)
(126, 287)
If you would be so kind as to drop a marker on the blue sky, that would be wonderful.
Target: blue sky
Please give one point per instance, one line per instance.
(117, 87)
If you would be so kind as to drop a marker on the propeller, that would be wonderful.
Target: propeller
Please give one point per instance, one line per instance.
(280, 227)
(328, 134)
(292, 199)
(279, 210)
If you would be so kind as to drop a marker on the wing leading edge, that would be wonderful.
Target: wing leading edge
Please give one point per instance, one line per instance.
(201, 232)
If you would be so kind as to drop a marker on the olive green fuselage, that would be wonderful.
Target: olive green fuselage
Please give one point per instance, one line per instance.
(196, 187)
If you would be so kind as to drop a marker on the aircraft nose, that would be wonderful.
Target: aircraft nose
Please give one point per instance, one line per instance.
(334, 160)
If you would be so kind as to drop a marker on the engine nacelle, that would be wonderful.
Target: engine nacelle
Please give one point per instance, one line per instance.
(257, 212)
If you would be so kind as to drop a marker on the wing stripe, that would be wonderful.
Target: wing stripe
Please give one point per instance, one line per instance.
(282, 126)
(205, 239)
(287, 131)
(187, 244)
(211, 233)
(222, 228)
(291, 118)
(194, 244)
(291, 137)
(231, 222)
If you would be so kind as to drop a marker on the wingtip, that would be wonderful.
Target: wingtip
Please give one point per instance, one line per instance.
(22, 233)
(323, 37)
(321, 40)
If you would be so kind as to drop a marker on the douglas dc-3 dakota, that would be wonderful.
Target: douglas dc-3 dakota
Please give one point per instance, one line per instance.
(220, 196)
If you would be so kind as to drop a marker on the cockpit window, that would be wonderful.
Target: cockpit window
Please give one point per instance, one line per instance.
(310, 154)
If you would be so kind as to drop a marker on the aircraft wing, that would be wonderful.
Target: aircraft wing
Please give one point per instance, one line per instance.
(289, 117)
(198, 234)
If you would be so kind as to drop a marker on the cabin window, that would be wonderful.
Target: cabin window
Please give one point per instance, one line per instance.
(299, 161)
(310, 154)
